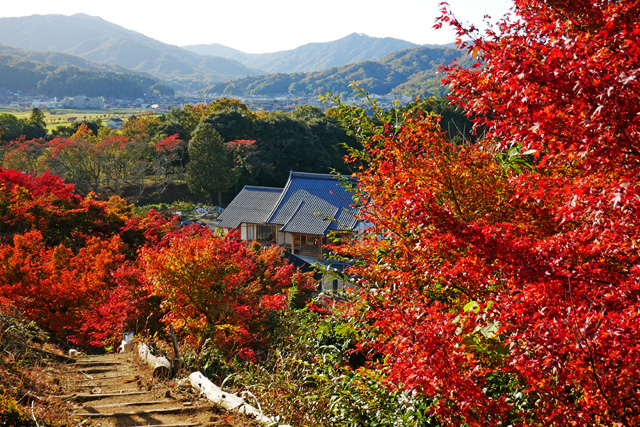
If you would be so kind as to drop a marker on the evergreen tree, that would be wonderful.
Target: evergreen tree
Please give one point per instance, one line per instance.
(210, 170)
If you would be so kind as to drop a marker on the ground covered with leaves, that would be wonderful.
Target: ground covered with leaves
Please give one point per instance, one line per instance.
(29, 376)
(43, 387)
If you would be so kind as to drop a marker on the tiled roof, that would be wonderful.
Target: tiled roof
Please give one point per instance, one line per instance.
(313, 204)
(303, 265)
(252, 205)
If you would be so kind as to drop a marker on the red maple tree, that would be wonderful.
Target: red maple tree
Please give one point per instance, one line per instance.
(54, 285)
(63, 258)
(218, 287)
(502, 278)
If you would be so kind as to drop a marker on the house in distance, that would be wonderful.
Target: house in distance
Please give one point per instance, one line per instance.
(115, 123)
(299, 217)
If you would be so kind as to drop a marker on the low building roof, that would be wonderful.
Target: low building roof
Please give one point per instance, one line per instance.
(252, 205)
(314, 204)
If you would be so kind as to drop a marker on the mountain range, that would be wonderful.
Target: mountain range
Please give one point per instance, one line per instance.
(411, 72)
(93, 45)
(61, 74)
(313, 56)
(94, 39)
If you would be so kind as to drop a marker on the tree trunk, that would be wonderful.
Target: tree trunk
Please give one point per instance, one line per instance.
(229, 401)
(161, 365)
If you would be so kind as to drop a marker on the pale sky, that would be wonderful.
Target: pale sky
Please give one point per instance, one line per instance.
(258, 26)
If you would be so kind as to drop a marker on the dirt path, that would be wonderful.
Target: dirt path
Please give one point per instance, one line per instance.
(118, 390)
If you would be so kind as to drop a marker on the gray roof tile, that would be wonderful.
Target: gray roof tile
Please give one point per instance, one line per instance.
(252, 205)
(313, 204)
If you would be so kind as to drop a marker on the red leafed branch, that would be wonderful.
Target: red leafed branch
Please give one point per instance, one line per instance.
(502, 279)
(218, 287)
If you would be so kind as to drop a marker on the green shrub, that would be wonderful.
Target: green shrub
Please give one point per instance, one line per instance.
(314, 375)
(13, 415)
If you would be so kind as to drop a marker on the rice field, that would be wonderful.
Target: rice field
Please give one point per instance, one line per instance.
(60, 117)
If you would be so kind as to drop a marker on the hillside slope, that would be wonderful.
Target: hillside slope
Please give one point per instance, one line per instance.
(60, 74)
(97, 40)
(412, 72)
(313, 56)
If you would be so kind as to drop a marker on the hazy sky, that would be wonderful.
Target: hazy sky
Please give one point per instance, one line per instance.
(259, 26)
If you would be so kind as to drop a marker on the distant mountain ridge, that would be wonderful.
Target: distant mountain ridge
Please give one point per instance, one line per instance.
(90, 43)
(411, 72)
(16, 57)
(217, 49)
(61, 74)
(97, 40)
(313, 56)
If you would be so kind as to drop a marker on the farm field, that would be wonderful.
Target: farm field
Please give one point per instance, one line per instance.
(58, 117)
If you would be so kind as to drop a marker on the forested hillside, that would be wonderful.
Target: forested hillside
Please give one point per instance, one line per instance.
(308, 70)
(57, 74)
(95, 39)
(411, 72)
(14, 56)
